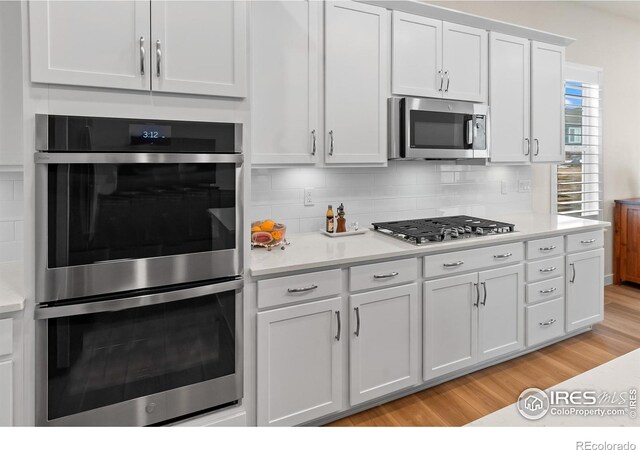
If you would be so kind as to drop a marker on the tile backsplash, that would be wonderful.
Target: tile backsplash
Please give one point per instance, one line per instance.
(403, 190)
(11, 216)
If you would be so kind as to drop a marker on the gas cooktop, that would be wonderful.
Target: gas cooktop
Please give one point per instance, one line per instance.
(438, 229)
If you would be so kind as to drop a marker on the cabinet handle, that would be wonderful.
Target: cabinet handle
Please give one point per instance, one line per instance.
(548, 291)
(446, 89)
(357, 332)
(484, 298)
(441, 80)
(573, 277)
(548, 269)
(548, 323)
(477, 295)
(158, 58)
(313, 145)
(528, 146)
(537, 147)
(547, 249)
(455, 264)
(331, 143)
(504, 255)
(142, 55)
(302, 289)
(387, 275)
(588, 241)
(339, 326)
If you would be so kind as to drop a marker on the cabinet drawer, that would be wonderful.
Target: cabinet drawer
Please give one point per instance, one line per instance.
(383, 274)
(585, 241)
(545, 321)
(544, 290)
(6, 337)
(478, 258)
(545, 248)
(547, 268)
(307, 286)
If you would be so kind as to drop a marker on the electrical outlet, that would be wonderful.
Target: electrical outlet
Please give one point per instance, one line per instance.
(524, 186)
(308, 197)
(504, 188)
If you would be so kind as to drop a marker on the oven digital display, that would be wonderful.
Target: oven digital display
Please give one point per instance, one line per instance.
(150, 134)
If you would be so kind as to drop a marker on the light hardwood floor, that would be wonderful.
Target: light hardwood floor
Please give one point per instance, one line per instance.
(470, 397)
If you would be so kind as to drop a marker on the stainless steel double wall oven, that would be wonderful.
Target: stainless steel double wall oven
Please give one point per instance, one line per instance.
(139, 269)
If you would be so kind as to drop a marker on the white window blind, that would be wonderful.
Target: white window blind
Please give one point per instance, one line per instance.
(579, 188)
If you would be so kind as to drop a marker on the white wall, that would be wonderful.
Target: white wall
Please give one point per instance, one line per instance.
(11, 214)
(404, 190)
(604, 40)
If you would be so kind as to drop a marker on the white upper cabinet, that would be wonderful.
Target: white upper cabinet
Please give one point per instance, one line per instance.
(509, 94)
(285, 88)
(90, 43)
(547, 103)
(356, 64)
(432, 58)
(199, 47)
(416, 55)
(464, 62)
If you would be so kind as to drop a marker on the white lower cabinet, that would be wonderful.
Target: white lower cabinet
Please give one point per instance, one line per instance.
(6, 394)
(471, 318)
(584, 289)
(300, 366)
(383, 342)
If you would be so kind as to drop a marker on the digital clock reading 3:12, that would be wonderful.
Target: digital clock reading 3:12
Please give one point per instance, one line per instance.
(150, 134)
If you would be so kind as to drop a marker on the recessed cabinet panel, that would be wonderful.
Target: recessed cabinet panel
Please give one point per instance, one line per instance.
(6, 337)
(90, 43)
(509, 91)
(6, 394)
(464, 61)
(585, 289)
(199, 47)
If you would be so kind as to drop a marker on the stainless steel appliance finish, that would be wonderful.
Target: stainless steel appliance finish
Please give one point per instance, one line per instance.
(421, 128)
(438, 229)
(149, 409)
(126, 273)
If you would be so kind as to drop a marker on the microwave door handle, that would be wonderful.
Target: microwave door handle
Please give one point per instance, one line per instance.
(469, 130)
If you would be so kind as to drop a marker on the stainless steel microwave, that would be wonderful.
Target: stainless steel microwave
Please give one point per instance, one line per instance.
(421, 128)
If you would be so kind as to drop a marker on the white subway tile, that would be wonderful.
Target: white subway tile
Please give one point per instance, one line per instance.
(259, 212)
(394, 204)
(301, 177)
(6, 231)
(11, 251)
(6, 190)
(311, 224)
(348, 180)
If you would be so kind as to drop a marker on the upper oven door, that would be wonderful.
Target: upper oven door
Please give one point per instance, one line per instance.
(110, 222)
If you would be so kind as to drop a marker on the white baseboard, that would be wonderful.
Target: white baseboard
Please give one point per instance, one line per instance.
(608, 279)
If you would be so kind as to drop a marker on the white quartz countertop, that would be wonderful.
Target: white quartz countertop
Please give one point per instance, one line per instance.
(11, 286)
(314, 250)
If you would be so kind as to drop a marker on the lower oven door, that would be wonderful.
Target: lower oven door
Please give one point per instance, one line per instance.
(139, 360)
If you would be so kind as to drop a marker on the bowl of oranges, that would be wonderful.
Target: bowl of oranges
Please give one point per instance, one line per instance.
(267, 233)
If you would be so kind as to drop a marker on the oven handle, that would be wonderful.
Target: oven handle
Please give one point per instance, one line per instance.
(136, 158)
(121, 304)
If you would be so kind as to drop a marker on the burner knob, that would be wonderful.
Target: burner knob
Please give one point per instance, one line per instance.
(454, 233)
(479, 231)
(468, 229)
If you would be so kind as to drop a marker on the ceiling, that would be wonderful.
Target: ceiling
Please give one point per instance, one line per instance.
(629, 9)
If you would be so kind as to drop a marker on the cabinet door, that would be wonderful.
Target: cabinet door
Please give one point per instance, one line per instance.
(300, 362)
(383, 342)
(90, 43)
(509, 93)
(199, 47)
(547, 103)
(627, 228)
(585, 289)
(450, 324)
(501, 309)
(6, 394)
(417, 56)
(465, 62)
(356, 63)
(285, 64)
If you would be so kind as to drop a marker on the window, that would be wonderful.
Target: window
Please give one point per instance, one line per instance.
(578, 185)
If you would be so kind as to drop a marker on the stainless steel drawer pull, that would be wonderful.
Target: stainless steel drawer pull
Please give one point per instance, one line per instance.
(142, 55)
(331, 143)
(339, 326)
(441, 80)
(302, 289)
(547, 249)
(548, 291)
(158, 58)
(387, 275)
(455, 264)
(548, 323)
(548, 269)
(588, 241)
(505, 255)
(313, 146)
(357, 332)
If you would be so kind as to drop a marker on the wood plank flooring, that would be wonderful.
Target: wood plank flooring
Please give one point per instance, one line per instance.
(470, 397)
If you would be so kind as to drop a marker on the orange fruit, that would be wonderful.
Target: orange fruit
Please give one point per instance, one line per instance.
(267, 225)
(256, 228)
(277, 235)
